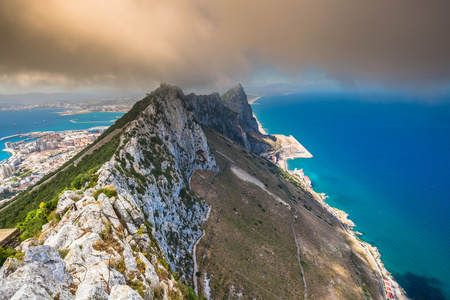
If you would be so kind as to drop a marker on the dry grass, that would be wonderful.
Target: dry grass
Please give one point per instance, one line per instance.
(253, 247)
(108, 242)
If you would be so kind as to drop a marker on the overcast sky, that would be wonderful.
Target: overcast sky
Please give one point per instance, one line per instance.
(204, 44)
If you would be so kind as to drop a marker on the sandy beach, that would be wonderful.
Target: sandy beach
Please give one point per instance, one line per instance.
(12, 152)
(260, 128)
(74, 112)
(254, 98)
(251, 101)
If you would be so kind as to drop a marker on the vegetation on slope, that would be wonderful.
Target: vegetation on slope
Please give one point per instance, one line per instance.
(28, 215)
(249, 243)
(28, 201)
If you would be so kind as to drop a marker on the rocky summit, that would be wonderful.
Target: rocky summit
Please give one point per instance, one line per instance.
(180, 205)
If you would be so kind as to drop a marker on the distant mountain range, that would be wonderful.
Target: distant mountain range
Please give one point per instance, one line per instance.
(274, 89)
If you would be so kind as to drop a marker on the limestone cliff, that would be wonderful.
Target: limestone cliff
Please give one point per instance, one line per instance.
(229, 114)
(236, 100)
(134, 220)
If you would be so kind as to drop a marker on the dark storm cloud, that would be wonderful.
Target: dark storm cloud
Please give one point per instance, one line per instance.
(200, 42)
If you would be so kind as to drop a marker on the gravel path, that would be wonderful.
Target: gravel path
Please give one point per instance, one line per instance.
(241, 174)
(294, 215)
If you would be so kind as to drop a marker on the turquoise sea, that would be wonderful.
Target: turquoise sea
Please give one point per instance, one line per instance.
(385, 162)
(48, 120)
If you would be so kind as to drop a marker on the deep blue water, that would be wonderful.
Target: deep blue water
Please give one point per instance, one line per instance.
(48, 120)
(387, 165)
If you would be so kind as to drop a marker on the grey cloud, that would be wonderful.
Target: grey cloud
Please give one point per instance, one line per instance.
(198, 43)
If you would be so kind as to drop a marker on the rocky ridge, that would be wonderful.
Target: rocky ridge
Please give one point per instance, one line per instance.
(130, 230)
(231, 115)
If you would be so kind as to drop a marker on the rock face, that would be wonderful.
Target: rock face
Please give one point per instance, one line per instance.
(230, 114)
(42, 274)
(236, 100)
(136, 220)
(52, 261)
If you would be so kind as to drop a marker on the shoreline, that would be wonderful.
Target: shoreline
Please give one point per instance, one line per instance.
(260, 128)
(82, 112)
(347, 225)
(12, 152)
(252, 101)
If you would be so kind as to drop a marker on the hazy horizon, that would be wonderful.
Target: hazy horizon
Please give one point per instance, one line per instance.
(205, 46)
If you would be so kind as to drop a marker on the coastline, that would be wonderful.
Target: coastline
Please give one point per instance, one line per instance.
(260, 128)
(70, 112)
(12, 152)
(252, 101)
(347, 226)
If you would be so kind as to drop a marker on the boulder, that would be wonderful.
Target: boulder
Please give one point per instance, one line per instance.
(31, 242)
(65, 236)
(89, 291)
(150, 273)
(101, 272)
(52, 260)
(108, 212)
(9, 267)
(124, 292)
(38, 276)
(63, 203)
(31, 292)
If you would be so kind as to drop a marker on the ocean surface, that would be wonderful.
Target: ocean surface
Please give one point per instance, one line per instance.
(385, 162)
(48, 120)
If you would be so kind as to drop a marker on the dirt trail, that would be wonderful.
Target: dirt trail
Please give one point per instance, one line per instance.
(194, 276)
(294, 215)
(241, 174)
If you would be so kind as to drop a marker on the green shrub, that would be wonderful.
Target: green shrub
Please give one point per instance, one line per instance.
(156, 140)
(108, 192)
(188, 293)
(32, 224)
(5, 253)
(29, 200)
(64, 253)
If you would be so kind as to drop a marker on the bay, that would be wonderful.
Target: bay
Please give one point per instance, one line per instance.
(12, 122)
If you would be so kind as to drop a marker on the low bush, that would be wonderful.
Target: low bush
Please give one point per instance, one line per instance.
(5, 253)
(108, 192)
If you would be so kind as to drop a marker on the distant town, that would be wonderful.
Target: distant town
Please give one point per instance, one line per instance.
(39, 154)
(73, 109)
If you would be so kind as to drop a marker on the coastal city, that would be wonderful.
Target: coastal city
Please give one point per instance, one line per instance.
(114, 105)
(39, 154)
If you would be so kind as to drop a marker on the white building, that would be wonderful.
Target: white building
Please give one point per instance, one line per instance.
(307, 181)
(299, 173)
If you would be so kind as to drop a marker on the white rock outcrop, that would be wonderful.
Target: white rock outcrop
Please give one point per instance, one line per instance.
(124, 292)
(137, 215)
(42, 274)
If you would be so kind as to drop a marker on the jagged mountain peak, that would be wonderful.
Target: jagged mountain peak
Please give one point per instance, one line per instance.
(169, 88)
(236, 100)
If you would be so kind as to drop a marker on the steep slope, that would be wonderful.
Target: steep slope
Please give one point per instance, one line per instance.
(236, 100)
(231, 115)
(261, 228)
(129, 229)
(135, 218)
